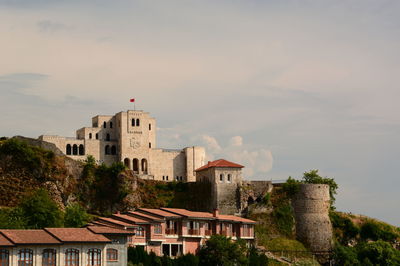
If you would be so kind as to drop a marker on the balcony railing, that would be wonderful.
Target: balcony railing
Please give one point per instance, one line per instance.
(194, 232)
(207, 232)
(170, 231)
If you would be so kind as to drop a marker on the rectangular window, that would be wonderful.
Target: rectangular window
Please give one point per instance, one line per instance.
(157, 229)
(140, 231)
(150, 145)
(149, 126)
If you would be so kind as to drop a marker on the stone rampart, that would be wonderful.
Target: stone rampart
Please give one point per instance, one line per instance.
(313, 226)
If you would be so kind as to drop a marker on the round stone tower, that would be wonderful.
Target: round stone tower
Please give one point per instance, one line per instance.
(313, 226)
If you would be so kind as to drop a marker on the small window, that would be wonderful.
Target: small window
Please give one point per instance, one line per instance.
(111, 124)
(229, 178)
(94, 257)
(25, 257)
(81, 150)
(105, 124)
(90, 135)
(107, 150)
(133, 122)
(108, 137)
(149, 145)
(166, 177)
(112, 254)
(137, 122)
(149, 126)
(163, 177)
(68, 149)
(4, 257)
(139, 231)
(221, 178)
(157, 229)
(75, 149)
(49, 257)
(97, 135)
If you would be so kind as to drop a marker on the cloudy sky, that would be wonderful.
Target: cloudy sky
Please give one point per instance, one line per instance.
(279, 86)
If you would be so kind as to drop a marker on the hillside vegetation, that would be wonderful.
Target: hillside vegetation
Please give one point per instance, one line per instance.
(42, 188)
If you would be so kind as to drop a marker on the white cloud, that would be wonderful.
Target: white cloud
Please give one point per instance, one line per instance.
(236, 141)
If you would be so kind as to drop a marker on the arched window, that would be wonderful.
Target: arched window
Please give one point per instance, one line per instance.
(133, 122)
(4, 257)
(97, 135)
(149, 145)
(94, 257)
(90, 135)
(81, 150)
(111, 125)
(68, 149)
(221, 178)
(72, 257)
(49, 257)
(112, 254)
(149, 126)
(105, 124)
(144, 166)
(137, 122)
(108, 137)
(135, 166)
(107, 150)
(113, 150)
(229, 179)
(75, 149)
(25, 257)
(127, 163)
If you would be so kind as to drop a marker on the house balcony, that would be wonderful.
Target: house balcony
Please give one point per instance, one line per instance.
(171, 231)
(194, 232)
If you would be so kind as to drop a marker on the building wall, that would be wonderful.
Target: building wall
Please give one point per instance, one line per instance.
(60, 256)
(224, 194)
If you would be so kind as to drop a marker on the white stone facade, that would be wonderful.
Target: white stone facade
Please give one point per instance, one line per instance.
(130, 137)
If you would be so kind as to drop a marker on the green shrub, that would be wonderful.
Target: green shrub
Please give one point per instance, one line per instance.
(283, 216)
(75, 216)
(41, 211)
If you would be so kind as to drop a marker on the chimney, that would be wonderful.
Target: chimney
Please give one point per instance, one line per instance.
(215, 212)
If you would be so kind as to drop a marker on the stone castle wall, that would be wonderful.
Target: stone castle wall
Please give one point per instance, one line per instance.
(313, 226)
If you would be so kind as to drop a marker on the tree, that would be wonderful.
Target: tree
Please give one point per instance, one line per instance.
(41, 211)
(379, 253)
(75, 216)
(220, 250)
(12, 218)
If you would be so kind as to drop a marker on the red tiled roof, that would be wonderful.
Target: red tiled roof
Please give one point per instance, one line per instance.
(220, 163)
(105, 220)
(30, 237)
(188, 213)
(145, 215)
(159, 212)
(4, 242)
(129, 219)
(109, 230)
(76, 235)
(235, 219)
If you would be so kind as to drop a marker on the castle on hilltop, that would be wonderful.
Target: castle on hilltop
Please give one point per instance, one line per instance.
(130, 137)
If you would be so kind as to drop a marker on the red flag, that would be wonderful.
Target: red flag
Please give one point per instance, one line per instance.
(132, 100)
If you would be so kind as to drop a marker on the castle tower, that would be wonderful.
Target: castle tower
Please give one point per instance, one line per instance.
(225, 179)
(313, 226)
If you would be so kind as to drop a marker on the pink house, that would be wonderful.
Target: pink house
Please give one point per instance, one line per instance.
(173, 232)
